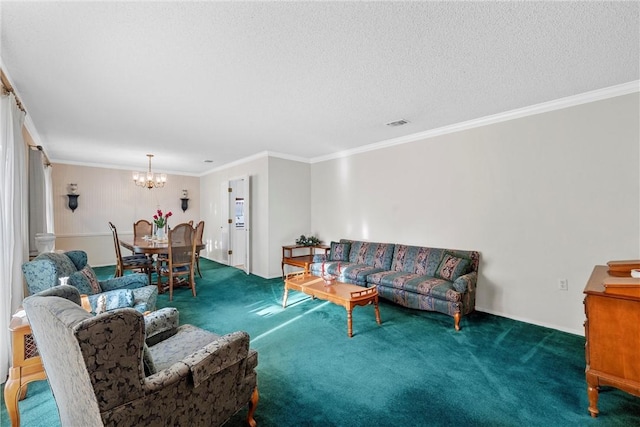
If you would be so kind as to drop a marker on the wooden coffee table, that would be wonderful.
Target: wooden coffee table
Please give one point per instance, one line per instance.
(343, 294)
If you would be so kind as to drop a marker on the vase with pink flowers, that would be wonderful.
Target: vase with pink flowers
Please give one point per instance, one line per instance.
(161, 224)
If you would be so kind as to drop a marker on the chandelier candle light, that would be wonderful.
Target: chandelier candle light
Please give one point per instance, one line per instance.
(161, 224)
(149, 179)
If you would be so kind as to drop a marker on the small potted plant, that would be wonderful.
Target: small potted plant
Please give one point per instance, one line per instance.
(307, 241)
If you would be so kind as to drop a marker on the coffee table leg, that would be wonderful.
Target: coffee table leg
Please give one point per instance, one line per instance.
(349, 323)
(375, 304)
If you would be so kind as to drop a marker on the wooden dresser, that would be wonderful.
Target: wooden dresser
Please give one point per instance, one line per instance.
(612, 331)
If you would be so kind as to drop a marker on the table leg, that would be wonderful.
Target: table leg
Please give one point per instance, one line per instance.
(375, 304)
(349, 323)
(11, 392)
(592, 393)
(284, 297)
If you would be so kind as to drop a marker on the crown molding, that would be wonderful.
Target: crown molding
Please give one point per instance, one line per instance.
(119, 167)
(558, 104)
(257, 156)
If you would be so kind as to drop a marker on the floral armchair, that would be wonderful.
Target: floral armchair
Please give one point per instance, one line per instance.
(131, 290)
(117, 369)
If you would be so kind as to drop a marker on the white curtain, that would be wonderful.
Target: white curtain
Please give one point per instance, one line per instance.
(48, 199)
(14, 237)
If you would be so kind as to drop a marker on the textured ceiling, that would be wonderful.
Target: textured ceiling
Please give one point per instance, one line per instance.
(104, 83)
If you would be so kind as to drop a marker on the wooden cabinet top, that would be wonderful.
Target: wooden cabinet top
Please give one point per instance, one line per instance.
(602, 283)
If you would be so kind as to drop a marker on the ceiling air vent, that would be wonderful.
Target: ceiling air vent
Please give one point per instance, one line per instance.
(398, 123)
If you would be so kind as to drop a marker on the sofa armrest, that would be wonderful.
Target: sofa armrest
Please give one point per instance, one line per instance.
(466, 282)
(161, 324)
(130, 281)
(320, 258)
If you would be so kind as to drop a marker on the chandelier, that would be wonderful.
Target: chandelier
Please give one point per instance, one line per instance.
(149, 179)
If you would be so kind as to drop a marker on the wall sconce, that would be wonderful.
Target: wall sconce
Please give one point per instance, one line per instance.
(185, 200)
(73, 197)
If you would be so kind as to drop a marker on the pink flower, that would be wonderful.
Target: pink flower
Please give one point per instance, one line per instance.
(159, 220)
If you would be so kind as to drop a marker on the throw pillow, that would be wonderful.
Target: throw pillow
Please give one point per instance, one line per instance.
(119, 298)
(452, 267)
(85, 281)
(339, 251)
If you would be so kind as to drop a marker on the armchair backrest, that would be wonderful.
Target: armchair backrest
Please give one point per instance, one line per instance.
(44, 270)
(102, 354)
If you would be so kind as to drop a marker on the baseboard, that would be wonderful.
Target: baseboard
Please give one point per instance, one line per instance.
(533, 322)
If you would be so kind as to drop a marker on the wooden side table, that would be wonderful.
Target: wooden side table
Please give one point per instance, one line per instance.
(26, 364)
(304, 256)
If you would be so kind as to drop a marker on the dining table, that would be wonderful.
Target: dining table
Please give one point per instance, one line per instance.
(150, 247)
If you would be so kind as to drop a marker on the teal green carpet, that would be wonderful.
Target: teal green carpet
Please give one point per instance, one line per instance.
(412, 370)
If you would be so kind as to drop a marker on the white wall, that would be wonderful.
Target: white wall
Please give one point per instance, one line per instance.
(213, 199)
(279, 209)
(289, 207)
(110, 195)
(542, 198)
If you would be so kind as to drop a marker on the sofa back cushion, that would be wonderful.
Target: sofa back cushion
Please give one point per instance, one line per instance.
(339, 251)
(85, 281)
(451, 267)
(377, 255)
(419, 260)
(426, 261)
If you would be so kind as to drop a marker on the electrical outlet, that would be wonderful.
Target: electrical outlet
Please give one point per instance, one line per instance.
(563, 284)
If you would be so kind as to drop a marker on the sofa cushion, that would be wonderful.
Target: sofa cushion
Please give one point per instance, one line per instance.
(413, 283)
(452, 267)
(120, 298)
(339, 251)
(85, 281)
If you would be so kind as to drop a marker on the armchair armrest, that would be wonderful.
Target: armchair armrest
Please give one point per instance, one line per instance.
(217, 356)
(161, 324)
(162, 379)
(466, 282)
(130, 281)
(202, 364)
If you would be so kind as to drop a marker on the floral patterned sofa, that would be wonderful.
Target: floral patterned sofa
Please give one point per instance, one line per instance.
(434, 279)
(131, 290)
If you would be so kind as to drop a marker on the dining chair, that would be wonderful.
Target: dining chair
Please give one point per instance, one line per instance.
(142, 228)
(199, 233)
(181, 257)
(133, 262)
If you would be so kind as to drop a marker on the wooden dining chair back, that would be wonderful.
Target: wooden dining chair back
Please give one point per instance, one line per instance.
(142, 228)
(181, 257)
(199, 234)
(134, 262)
